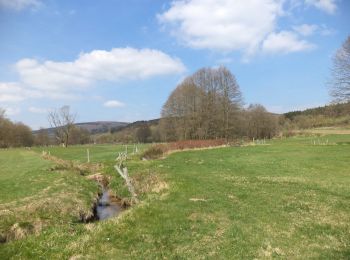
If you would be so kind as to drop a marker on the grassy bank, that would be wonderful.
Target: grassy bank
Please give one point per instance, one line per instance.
(36, 196)
(289, 198)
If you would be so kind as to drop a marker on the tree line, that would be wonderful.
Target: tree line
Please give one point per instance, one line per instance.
(17, 134)
(14, 134)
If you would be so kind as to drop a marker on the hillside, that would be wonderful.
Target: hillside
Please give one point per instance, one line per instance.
(334, 115)
(94, 127)
(129, 133)
(333, 110)
(138, 124)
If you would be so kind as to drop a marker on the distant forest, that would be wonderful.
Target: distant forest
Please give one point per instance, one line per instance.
(326, 116)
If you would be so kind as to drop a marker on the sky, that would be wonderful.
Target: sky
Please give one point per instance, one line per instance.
(114, 60)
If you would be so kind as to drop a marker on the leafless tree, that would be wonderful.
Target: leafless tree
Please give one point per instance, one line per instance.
(340, 81)
(203, 106)
(63, 122)
(261, 124)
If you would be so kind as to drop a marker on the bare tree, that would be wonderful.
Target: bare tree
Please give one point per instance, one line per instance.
(261, 123)
(203, 106)
(340, 82)
(63, 122)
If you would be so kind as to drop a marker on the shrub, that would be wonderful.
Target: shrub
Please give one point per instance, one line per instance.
(153, 152)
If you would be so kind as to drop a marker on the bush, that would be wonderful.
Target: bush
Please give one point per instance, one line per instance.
(153, 152)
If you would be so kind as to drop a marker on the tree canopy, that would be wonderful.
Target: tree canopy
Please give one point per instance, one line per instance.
(203, 106)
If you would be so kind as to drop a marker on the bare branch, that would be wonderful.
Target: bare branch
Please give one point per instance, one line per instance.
(63, 122)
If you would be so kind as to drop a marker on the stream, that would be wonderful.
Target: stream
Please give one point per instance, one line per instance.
(106, 207)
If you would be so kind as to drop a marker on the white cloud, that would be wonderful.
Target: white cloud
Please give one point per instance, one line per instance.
(19, 4)
(285, 42)
(12, 111)
(328, 6)
(12, 92)
(306, 29)
(223, 25)
(113, 103)
(68, 80)
(240, 25)
(99, 65)
(326, 31)
(38, 110)
(310, 29)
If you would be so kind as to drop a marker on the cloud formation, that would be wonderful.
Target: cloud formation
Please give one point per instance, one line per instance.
(329, 6)
(285, 42)
(231, 25)
(116, 65)
(223, 25)
(13, 92)
(306, 29)
(18, 5)
(113, 103)
(66, 80)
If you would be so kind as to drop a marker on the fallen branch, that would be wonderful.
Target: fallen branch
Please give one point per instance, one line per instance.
(123, 172)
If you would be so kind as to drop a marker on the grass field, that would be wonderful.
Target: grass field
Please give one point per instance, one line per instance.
(287, 199)
(327, 131)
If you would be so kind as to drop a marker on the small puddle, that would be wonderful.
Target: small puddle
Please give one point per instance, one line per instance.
(107, 206)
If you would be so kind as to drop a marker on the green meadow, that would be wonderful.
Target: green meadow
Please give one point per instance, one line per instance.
(287, 198)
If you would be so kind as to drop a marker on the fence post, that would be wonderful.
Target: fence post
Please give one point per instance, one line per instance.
(88, 155)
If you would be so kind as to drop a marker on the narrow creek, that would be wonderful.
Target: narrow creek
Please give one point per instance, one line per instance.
(107, 206)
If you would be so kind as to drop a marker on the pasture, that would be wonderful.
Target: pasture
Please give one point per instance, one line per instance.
(288, 198)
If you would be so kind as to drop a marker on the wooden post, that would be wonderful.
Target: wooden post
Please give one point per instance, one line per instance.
(88, 155)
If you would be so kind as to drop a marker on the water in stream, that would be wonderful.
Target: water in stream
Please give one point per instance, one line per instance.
(106, 208)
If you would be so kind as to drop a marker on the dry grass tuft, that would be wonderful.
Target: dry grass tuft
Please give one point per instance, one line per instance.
(146, 183)
(101, 179)
(197, 199)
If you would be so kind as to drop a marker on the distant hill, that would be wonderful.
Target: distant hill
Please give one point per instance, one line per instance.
(95, 127)
(129, 133)
(137, 125)
(333, 110)
(101, 126)
(334, 115)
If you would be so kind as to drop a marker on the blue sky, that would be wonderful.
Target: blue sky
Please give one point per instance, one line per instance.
(119, 60)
